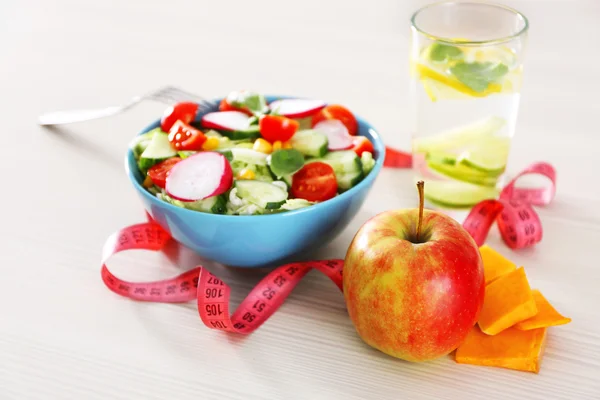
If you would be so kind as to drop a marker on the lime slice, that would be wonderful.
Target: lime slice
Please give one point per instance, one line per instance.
(459, 137)
(457, 194)
(488, 155)
(464, 173)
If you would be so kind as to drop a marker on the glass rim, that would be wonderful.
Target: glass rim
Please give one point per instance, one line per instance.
(464, 42)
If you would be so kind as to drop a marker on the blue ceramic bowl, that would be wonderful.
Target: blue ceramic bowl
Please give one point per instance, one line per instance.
(259, 240)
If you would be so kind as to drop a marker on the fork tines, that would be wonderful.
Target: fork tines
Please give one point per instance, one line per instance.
(171, 94)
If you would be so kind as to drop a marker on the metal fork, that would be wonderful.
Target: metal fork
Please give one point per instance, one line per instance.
(167, 95)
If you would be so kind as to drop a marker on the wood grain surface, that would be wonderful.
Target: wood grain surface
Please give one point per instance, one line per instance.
(63, 335)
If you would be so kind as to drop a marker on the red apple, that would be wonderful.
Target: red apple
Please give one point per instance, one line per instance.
(413, 283)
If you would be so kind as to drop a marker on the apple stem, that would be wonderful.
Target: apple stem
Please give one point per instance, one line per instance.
(421, 188)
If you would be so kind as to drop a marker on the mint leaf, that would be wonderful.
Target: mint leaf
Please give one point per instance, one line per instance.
(478, 75)
(443, 52)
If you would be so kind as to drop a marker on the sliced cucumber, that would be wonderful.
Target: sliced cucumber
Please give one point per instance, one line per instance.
(252, 133)
(347, 180)
(263, 194)
(367, 162)
(441, 157)
(343, 161)
(212, 205)
(295, 204)
(458, 137)
(218, 206)
(157, 150)
(249, 156)
(347, 167)
(159, 147)
(464, 173)
(285, 162)
(310, 143)
(139, 144)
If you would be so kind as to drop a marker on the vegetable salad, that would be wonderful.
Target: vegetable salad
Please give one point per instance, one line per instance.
(252, 158)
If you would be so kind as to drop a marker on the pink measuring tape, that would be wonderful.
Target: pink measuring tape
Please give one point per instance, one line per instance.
(519, 224)
(210, 292)
(517, 221)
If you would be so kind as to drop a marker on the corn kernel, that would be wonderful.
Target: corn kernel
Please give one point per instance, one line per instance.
(287, 145)
(148, 182)
(246, 174)
(277, 145)
(263, 146)
(211, 143)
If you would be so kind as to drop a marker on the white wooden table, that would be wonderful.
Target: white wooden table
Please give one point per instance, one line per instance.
(63, 335)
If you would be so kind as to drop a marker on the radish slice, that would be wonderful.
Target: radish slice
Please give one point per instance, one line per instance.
(336, 132)
(296, 108)
(226, 121)
(202, 175)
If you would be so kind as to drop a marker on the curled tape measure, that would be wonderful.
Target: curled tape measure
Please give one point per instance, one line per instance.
(210, 292)
(519, 224)
(517, 221)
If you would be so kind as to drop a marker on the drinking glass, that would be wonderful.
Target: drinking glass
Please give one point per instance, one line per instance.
(466, 67)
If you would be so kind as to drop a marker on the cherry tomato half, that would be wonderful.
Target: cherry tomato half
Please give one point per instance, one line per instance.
(314, 182)
(185, 112)
(185, 137)
(159, 172)
(360, 144)
(338, 112)
(276, 127)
